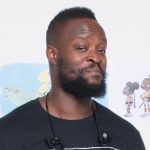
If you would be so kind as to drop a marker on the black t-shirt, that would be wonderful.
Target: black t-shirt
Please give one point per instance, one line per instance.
(27, 128)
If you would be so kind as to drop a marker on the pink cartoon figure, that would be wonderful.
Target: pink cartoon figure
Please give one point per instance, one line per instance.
(129, 92)
(145, 97)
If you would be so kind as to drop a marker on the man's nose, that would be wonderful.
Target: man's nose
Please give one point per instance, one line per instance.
(94, 57)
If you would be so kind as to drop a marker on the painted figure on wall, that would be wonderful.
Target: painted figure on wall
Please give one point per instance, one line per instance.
(145, 85)
(128, 91)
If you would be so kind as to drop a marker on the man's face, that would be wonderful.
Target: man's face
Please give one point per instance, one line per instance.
(81, 60)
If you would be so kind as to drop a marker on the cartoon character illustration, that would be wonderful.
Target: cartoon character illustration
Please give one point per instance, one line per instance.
(43, 77)
(19, 95)
(128, 91)
(145, 97)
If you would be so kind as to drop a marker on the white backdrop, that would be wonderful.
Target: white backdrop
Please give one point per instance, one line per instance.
(23, 27)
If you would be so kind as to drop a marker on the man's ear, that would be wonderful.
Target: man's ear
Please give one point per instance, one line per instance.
(51, 53)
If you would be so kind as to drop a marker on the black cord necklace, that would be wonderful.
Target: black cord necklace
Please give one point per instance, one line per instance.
(57, 144)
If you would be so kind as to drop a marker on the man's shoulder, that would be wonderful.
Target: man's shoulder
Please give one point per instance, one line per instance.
(112, 118)
(116, 123)
(119, 127)
(18, 115)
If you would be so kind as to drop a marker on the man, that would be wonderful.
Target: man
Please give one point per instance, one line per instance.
(67, 117)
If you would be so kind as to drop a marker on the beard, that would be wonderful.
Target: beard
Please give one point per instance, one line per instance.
(79, 87)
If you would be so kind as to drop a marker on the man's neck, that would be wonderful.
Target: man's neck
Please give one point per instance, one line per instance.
(65, 106)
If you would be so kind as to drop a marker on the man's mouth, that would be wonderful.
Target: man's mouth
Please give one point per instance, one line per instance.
(92, 71)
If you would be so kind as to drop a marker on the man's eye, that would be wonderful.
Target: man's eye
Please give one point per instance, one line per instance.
(82, 48)
(101, 51)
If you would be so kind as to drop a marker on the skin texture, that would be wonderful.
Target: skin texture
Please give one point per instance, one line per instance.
(81, 48)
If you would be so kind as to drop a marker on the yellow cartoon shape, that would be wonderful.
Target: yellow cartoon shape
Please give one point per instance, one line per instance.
(43, 77)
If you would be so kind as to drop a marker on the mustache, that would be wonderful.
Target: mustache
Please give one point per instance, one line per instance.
(92, 66)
